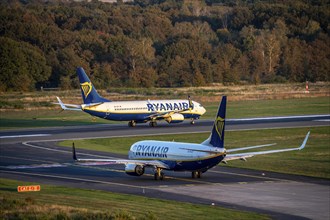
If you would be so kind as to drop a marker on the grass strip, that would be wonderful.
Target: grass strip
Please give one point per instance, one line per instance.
(55, 202)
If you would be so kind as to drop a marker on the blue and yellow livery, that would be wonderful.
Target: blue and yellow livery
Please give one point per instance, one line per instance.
(172, 111)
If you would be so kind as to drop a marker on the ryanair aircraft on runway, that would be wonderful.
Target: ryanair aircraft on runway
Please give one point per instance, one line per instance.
(195, 158)
(172, 111)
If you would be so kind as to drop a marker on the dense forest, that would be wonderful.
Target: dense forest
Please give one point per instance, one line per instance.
(162, 43)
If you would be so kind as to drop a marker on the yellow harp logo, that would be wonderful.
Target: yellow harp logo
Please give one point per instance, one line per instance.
(86, 87)
(219, 123)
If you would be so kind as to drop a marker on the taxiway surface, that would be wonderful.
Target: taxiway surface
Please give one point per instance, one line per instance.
(280, 195)
(121, 130)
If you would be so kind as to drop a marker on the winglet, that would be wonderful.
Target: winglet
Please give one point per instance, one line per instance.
(74, 156)
(305, 141)
(61, 103)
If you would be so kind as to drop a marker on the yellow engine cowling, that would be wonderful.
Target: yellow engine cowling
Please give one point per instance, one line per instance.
(134, 170)
(175, 118)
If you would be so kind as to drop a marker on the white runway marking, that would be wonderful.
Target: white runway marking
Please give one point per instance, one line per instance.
(278, 117)
(27, 135)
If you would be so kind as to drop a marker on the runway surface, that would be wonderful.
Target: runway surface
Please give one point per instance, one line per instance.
(120, 130)
(280, 195)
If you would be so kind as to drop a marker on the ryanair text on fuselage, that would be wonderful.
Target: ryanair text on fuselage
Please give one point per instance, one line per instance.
(167, 106)
(154, 151)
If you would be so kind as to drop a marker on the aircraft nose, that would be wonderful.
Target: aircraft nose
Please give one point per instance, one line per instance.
(203, 110)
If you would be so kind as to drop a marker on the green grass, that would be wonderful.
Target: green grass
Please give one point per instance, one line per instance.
(47, 118)
(55, 202)
(260, 108)
(314, 160)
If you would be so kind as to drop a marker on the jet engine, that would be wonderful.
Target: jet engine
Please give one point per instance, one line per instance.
(175, 118)
(134, 170)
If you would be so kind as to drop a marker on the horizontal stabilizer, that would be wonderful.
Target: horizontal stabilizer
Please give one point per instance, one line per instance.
(71, 107)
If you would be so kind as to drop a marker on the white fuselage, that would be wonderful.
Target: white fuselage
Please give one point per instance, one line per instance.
(141, 110)
(178, 156)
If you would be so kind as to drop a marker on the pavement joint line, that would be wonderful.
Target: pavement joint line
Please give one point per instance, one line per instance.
(253, 176)
(76, 179)
(21, 158)
(101, 168)
(189, 180)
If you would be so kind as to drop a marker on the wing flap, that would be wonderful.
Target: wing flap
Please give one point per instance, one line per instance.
(250, 147)
(215, 151)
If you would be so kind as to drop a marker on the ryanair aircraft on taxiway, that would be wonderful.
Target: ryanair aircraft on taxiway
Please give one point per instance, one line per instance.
(172, 111)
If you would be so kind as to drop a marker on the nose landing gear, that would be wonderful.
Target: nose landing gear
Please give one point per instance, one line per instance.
(131, 124)
(196, 174)
(153, 124)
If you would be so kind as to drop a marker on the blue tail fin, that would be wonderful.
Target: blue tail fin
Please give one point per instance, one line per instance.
(88, 92)
(218, 131)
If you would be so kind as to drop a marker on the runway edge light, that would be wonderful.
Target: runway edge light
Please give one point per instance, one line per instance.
(33, 188)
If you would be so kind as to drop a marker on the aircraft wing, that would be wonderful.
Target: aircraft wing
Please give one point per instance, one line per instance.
(158, 115)
(100, 162)
(243, 156)
(164, 115)
(67, 106)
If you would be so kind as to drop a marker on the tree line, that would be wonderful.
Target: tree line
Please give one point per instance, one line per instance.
(162, 43)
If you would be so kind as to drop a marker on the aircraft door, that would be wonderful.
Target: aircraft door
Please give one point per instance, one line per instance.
(108, 111)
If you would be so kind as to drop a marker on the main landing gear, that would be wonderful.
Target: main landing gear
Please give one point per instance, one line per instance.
(131, 124)
(153, 124)
(196, 174)
(159, 175)
(192, 121)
